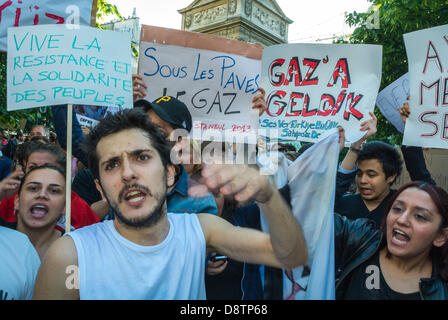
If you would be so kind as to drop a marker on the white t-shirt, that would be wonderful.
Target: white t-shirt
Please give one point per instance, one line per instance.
(19, 263)
(112, 267)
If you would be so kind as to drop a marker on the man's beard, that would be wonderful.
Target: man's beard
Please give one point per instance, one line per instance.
(152, 218)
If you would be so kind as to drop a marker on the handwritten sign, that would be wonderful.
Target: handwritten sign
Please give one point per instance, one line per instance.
(51, 65)
(313, 88)
(39, 12)
(216, 78)
(89, 116)
(427, 52)
(391, 98)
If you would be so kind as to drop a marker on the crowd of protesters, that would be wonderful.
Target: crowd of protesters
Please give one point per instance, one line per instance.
(148, 223)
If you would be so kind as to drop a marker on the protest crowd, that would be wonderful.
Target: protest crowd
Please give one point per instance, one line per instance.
(149, 222)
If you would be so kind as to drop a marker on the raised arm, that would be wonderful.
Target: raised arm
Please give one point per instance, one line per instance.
(284, 247)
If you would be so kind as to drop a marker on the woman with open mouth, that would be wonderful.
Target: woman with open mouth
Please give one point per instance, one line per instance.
(407, 259)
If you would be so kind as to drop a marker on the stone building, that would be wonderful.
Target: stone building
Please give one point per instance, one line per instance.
(256, 21)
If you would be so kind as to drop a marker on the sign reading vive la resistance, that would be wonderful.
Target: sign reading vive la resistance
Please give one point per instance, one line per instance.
(52, 65)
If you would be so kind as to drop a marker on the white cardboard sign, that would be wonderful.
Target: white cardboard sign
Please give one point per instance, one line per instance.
(53, 65)
(312, 89)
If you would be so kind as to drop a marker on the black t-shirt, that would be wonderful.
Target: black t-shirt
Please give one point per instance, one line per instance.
(367, 283)
(353, 207)
(226, 285)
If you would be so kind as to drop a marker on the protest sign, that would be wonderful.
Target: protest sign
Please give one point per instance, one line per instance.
(89, 116)
(311, 176)
(391, 98)
(85, 121)
(215, 77)
(39, 12)
(313, 88)
(53, 65)
(427, 51)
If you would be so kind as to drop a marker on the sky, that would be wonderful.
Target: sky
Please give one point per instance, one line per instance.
(314, 21)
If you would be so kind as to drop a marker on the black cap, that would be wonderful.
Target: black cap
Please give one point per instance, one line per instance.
(169, 109)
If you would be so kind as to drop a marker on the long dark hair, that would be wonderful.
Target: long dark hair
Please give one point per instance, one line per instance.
(439, 196)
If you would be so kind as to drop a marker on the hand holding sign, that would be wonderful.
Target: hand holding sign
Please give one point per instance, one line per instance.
(404, 111)
(216, 78)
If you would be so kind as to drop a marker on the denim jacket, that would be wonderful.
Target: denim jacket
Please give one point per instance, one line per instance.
(178, 200)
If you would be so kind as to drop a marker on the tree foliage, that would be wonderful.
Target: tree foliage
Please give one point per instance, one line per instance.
(396, 17)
